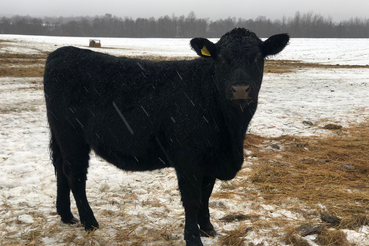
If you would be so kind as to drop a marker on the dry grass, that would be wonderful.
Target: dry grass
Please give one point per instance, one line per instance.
(151, 235)
(287, 66)
(326, 237)
(33, 65)
(22, 65)
(235, 237)
(309, 174)
(332, 238)
(315, 169)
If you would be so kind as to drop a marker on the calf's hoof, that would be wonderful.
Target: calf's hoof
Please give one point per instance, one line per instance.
(195, 241)
(89, 227)
(207, 230)
(71, 221)
(208, 233)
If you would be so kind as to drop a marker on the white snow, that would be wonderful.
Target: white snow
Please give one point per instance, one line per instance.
(286, 100)
(328, 51)
(27, 181)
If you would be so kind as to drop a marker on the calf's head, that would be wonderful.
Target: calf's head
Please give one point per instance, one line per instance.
(238, 59)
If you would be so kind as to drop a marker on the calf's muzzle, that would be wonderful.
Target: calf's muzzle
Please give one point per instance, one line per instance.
(240, 92)
(240, 95)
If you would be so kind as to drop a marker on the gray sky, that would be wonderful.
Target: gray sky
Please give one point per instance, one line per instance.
(213, 9)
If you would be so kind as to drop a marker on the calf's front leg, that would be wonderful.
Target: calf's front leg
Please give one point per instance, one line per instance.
(203, 216)
(190, 185)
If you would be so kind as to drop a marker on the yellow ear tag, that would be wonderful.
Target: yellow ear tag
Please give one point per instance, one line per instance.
(205, 51)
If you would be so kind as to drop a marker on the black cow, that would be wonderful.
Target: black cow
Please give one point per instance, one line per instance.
(142, 115)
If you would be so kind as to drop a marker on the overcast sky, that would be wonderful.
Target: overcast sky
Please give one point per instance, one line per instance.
(213, 9)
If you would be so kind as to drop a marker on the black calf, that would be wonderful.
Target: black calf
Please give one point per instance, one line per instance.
(143, 115)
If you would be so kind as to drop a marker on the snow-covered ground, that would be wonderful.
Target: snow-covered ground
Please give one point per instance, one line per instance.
(327, 51)
(27, 182)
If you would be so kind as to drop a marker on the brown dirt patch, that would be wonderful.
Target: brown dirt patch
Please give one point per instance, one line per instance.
(287, 66)
(22, 65)
(33, 65)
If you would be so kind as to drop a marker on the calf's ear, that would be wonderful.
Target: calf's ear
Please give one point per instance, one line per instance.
(275, 44)
(203, 47)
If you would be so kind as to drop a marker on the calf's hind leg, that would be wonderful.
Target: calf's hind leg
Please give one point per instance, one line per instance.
(75, 165)
(63, 199)
(63, 188)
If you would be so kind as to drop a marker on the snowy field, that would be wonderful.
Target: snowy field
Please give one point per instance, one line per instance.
(150, 201)
(326, 51)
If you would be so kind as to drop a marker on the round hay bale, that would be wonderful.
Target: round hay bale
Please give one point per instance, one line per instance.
(95, 43)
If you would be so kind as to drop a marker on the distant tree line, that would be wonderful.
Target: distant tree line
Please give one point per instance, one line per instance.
(302, 25)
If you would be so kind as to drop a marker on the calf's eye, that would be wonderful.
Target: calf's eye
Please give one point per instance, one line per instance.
(258, 58)
(221, 59)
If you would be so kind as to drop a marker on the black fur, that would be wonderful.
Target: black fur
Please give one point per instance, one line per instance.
(142, 115)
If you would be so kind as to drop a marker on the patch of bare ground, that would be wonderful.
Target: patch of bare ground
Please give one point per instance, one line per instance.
(287, 66)
(33, 65)
(322, 179)
(22, 65)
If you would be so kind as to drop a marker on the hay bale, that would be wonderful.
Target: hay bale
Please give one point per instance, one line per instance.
(95, 43)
